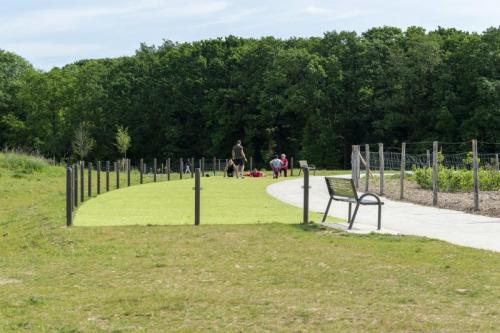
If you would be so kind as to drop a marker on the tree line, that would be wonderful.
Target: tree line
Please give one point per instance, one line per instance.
(308, 97)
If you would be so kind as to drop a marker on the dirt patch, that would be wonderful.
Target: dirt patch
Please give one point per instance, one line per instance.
(489, 201)
(4, 281)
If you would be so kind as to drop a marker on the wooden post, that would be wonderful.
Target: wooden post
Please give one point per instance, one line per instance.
(82, 183)
(402, 172)
(98, 177)
(219, 166)
(89, 179)
(291, 166)
(251, 163)
(141, 171)
(381, 166)
(367, 173)
(305, 218)
(225, 168)
(358, 164)
(168, 168)
(214, 165)
(435, 170)
(75, 176)
(129, 164)
(69, 196)
(428, 158)
(181, 168)
(497, 162)
(476, 175)
(107, 175)
(203, 166)
(155, 166)
(197, 189)
(117, 171)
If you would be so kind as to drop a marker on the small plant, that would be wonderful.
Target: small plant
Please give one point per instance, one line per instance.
(458, 180)
(82, 142)
(123, 140)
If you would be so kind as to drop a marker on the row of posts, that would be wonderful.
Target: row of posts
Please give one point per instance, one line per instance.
(75, 180)
(357, 160)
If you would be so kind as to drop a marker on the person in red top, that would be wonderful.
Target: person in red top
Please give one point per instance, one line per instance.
(284, 168)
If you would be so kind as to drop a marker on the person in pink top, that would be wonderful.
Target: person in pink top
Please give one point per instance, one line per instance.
(284, 168)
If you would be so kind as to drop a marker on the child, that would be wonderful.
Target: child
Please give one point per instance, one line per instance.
(230, 168)
(284, 168)
(276, 165)
(255, 173)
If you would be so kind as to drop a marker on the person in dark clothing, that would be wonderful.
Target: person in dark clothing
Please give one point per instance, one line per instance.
(239, 158)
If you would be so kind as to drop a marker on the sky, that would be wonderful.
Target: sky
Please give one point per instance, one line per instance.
(52, 33)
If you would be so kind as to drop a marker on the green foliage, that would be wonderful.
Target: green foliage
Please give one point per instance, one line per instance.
(22, 163)
(307, 97)
(123, 140)
(458, 180)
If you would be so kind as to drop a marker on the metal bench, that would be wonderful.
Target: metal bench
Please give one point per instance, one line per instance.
(342, 189)
(303, 164)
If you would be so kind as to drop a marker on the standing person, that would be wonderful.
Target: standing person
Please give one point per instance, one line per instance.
(239, 158)
(284, 168)
(187, 169)
(276, 166)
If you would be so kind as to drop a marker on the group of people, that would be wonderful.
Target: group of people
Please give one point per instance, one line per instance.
(236, 165)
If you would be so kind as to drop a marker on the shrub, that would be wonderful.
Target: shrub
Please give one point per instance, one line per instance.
(458, 180)
(22, 162)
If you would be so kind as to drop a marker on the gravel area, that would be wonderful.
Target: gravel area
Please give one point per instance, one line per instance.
(489, 201)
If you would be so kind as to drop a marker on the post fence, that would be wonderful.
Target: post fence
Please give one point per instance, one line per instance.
(213, 166)
(475, 174)
(402, 172)
(251, 163)
(381, 167)
(98, 177)
(168, 168)
(107, 175)
(435, 183)
(117, 171)
(129, 164)
(82, 183)
(75, 190)
(305, 218)
(497, 162)
(203, 166)
(69, 196)
(155, 166)
(197, 189)
(367, 165)
(191, 169)
(89, 179)
(181, 168)
(141, 171)
(291, 166)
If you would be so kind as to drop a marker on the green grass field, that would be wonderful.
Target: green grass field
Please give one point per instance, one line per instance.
(224, 201)
(249, 277)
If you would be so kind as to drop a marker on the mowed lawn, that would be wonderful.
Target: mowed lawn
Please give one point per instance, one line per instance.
(249, 277)
(223, 201)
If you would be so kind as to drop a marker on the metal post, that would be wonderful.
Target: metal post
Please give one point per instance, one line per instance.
(82, 183)
(197, 189)
(381, 166)
(117, 170)
(402, 172)
(435, 183)
(89, 179)
(291, 166)
(98, 177)
(129, 164)
(367, 172)
(75, 190)
(305, 219)
(181, 168)
(141, 171)
(154, 169)
(476, 176)
(69, 196)
(107, 175)
(168, 168)
(215, 162)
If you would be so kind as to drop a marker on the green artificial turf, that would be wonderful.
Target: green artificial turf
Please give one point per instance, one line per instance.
(223, 201)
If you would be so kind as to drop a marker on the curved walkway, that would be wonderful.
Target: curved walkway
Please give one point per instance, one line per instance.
(399, 217)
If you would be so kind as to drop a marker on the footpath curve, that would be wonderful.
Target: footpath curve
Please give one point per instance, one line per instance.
(398, 217)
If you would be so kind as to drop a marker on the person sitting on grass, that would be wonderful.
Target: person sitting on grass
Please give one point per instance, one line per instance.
(276, 165)
(255, 173)
(229, 169)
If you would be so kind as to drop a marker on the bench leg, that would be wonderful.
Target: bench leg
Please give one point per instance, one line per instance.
(327, 209)
(353, 216)
(379, 223)
(349, 214)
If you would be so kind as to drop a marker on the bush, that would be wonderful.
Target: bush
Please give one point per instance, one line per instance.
(458, 180)
(22, 162)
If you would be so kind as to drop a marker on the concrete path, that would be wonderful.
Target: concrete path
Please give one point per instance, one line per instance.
(399, 217)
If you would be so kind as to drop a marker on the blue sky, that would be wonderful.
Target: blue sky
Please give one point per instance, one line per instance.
(54, 32)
